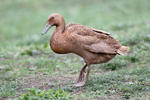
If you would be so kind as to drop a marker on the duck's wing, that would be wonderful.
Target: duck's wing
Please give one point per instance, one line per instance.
(92, 41)
(101, 47)
(100, 31)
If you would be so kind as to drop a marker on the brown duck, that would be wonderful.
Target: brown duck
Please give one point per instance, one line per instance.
(94, 46)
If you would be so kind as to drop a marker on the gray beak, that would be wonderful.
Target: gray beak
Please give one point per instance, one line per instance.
(47, 27)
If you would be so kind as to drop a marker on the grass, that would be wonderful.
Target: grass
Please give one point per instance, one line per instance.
(27, 61)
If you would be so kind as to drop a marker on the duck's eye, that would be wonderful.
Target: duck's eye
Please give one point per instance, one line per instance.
(52, 18)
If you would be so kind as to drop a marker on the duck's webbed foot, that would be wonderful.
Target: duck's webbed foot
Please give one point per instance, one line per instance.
(82, 79)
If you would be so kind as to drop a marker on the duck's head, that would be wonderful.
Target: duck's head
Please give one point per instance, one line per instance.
(53, 20)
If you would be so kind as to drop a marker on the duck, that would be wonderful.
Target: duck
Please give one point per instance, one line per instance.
(93, 45)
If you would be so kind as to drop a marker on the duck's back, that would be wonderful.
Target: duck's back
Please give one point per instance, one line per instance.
(90, 39)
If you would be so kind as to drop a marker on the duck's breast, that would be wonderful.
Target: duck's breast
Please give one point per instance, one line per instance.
(58, 44)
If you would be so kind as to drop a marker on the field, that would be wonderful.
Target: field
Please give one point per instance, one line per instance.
(27, 61)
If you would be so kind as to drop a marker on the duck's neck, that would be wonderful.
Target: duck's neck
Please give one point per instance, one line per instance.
(60, 27)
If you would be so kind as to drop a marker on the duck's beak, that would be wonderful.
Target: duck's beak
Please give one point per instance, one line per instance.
(47, 27)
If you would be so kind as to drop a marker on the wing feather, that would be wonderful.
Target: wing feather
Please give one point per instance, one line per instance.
(90, 39)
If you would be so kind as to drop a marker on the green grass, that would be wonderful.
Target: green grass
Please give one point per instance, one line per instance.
(27, 61)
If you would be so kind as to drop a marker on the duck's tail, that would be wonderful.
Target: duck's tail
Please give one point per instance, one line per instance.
(123, 50)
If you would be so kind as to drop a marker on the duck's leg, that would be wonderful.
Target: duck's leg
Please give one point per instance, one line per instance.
(87, 74)
(83, 79)
(81, 76)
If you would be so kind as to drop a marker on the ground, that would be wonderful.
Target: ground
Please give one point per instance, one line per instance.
(27, 61)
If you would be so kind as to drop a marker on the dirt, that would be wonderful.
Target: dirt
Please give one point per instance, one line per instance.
(44, 81)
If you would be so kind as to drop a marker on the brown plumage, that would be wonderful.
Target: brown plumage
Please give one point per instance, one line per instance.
(94, 46)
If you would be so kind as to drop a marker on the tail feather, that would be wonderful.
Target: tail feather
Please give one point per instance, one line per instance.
(123, 50)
